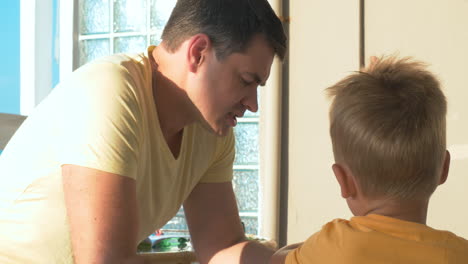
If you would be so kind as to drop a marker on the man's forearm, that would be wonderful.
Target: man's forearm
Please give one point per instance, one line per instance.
(244, 252)
(280, 256)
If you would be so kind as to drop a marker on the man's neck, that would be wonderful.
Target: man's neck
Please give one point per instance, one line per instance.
(175, 110)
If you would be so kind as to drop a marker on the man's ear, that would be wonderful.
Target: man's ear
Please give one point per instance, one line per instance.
(197, 48)
(445, 168)
(345, 180)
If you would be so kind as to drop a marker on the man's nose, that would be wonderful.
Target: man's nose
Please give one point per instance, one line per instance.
(251, 101)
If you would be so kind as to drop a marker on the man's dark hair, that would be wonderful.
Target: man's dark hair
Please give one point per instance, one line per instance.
(230, 25)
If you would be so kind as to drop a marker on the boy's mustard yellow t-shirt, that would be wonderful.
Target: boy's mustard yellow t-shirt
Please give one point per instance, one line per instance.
(102, 117)
(377, 239)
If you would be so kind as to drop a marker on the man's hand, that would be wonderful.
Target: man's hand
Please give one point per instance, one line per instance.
(215, 228)
(280, 256)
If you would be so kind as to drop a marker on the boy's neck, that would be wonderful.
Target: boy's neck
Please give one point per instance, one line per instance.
(408, 210)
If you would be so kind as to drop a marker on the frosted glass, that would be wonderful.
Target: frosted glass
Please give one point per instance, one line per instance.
(94, 16)
(130, 44)
(177, 222)
(93, 49)
(160, 12)
(129, 15)
(251, 114)
(245, 185)
(246, 144)
(250, 224)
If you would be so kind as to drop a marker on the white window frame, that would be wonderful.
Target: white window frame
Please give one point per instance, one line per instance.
(68, 34)
(35, 52)
(270, 155)
(270, 120)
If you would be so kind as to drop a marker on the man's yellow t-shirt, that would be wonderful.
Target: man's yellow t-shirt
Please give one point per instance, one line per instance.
(377, 239)
(102, 117)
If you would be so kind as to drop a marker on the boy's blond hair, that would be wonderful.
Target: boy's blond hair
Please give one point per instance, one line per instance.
(388, 126)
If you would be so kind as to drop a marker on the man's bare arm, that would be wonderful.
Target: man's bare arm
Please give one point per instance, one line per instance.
(215, 227)
(280, 256)
(103, 216)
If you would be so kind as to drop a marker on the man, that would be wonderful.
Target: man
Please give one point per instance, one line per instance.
(116, 149)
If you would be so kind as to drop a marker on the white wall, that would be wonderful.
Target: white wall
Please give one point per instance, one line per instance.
(324, 37)
(435, 31)
(324, 47)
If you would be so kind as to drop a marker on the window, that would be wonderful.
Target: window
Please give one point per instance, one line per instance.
(116, 26)
(95, 28)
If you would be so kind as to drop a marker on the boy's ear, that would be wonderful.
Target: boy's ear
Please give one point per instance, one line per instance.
(445, 168)
(345, 180)
(197, 47)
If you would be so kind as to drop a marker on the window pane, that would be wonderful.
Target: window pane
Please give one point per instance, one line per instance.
(160, 12)
(177, 222)
(130, 44)
(251, 114)
(129, 15)
(250, 224)
(94, 16)
(246, 144)
(245, 185)
(92, 49)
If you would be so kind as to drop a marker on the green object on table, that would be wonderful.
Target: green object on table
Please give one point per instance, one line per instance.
(171, 242)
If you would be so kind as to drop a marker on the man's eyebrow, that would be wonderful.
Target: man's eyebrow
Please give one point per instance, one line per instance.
(257, 78)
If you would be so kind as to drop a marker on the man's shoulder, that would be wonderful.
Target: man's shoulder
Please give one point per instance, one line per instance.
(122, 62)
(111, 75)
(122, 58)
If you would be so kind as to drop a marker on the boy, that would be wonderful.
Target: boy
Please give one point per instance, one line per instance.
(116, 149)
(387, 125)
